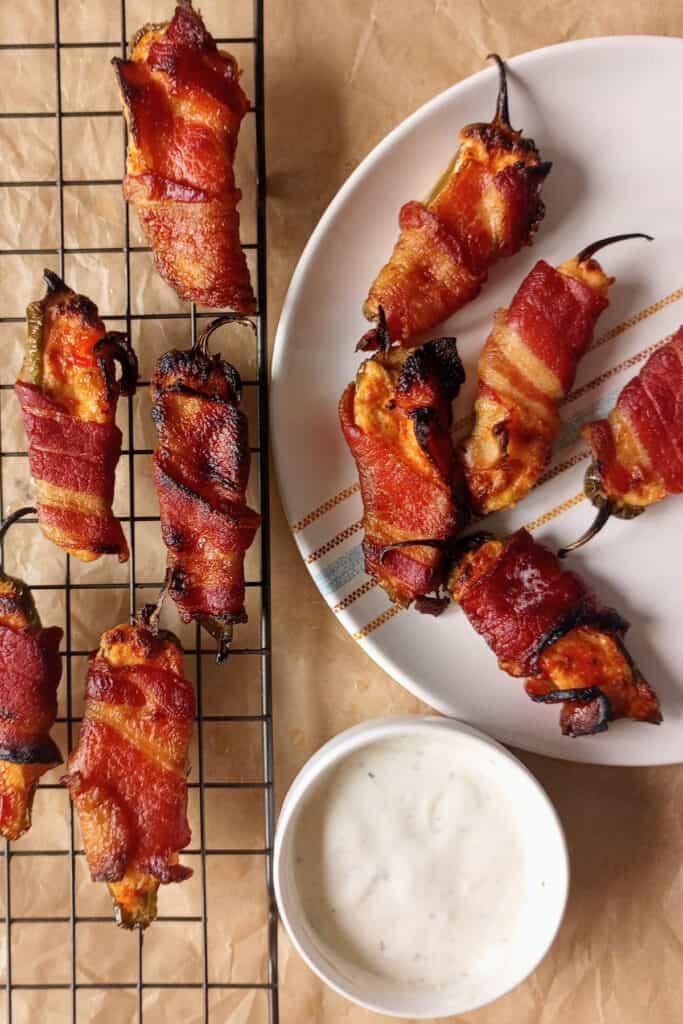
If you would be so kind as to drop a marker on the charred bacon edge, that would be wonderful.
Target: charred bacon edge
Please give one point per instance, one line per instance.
(27, 751)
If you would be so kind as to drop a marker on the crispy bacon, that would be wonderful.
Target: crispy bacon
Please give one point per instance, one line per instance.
(396, 420)
(638, 448)
(201, 470)
(68, 393)
(183, 104)
(128, 773)
(486, 206)
(526, 368)
(543, 623)
(30, 670)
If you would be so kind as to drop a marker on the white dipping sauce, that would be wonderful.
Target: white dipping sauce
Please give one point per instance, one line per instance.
(411, 866)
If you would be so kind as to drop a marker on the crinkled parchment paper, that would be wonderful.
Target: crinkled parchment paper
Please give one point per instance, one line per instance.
(94, 218)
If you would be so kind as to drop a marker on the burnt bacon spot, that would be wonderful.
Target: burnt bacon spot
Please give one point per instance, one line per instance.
(436, 361)
(423, 420)
(604, 620)
(40, 751)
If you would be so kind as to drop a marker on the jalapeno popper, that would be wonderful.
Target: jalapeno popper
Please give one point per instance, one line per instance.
(638, 448)
(396, 419)
(543, 623)
(68, 391)
(527, 367)
(184, 104)
(30, 670)
(201, 471)
(486, 206)
(128, 773)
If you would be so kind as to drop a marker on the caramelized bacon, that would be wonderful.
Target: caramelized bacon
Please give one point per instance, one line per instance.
(201, 470)
(486, 206)
(638, 448)
(184, 105)
(396, 420)
(526, 368)
(30, 670)
(68, 393)
(128, 773)
(543, 623)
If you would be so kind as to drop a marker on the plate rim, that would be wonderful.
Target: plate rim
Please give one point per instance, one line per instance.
(277, 440)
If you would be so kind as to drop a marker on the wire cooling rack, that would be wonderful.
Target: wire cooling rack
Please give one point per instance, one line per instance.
(143, 992)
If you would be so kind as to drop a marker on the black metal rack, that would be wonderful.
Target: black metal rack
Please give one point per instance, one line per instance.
(140, 984)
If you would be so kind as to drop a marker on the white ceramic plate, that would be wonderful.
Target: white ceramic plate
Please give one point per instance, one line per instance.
(606, 112)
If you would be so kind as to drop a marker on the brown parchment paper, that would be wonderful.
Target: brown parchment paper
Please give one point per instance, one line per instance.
(340, 76)
(94, 218)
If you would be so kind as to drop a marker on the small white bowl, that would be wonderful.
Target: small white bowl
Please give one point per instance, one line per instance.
(545, 843)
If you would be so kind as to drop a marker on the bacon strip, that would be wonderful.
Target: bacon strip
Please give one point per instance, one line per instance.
(30, 670)
(485, 207)
(638, 448)
(128, 773)
(68, 392)
(526, 368)
(201, 471)
(543, 623)
(183, 104)
(396, 420)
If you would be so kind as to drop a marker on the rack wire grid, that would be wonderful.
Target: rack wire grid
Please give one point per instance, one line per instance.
(205, 997)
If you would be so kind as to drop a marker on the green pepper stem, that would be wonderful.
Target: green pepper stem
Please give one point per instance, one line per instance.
(202, 342)
(594, 247)
(502, 115)
(28, 510)
(605, 510)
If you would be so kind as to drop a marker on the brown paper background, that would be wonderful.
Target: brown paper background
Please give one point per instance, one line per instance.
(339, 76)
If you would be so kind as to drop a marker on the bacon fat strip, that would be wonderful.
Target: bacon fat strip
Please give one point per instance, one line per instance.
(201, 471)
(486, 206)
(30, 670)
(68, 391)
(638, 448)
(128, 773)
(184, 104)
(396, 420)
(527, 367)
(543, 623)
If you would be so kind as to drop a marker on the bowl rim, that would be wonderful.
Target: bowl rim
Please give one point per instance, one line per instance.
(333, 751)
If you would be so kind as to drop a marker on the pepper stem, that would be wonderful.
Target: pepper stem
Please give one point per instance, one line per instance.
(502, 115)
(149, 613)
(28, 510)
(605, 510)
(594, 247)
(202, 342)
(457, 547)
(54, 282)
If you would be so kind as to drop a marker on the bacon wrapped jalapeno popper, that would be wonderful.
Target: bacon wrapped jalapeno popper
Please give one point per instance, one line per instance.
(486, 206)
(30, 670)
(68, 391)
(396, 419)
(184, 104)
(201, 471)
(543, 623)
(128, 773)
(527, 367)
(638, 448)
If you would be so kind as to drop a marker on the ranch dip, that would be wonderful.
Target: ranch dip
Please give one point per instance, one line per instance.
(411, 867)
